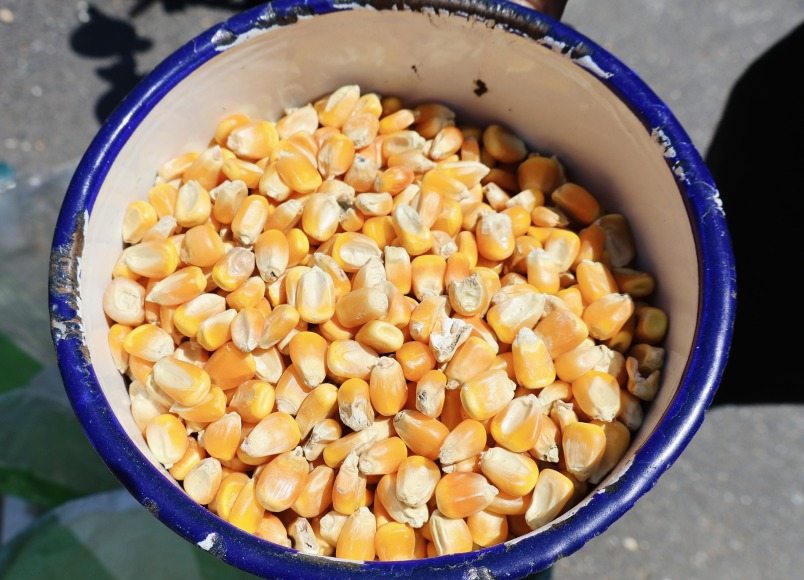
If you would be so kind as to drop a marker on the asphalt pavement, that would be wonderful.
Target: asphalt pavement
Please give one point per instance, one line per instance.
(733, 505)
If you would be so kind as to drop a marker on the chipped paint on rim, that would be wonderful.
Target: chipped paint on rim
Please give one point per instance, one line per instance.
(526, 554)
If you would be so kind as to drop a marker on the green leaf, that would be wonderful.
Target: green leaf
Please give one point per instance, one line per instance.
(45, 456)
(107, 537)
(18, 367)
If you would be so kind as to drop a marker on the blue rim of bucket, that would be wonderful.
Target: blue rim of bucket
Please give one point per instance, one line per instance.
(526, 555)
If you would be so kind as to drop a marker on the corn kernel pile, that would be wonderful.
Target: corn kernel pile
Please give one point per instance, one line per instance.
(367, 332)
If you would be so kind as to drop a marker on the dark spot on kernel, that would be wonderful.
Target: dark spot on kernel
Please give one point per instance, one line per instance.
(480, 88)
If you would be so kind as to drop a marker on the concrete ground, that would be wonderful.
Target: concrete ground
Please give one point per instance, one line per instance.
(733, 505)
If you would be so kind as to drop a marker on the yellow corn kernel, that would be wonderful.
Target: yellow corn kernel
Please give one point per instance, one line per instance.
(487, 528)
(140, 216)
(430, 393)
(651, 325)
(148, 342)
(543, 271)
(516, 426)
(228, 367)
(509, 505)
(304, 538)
(416, 480)
(598, 395)
(282, 481)
(253, 400)
(233, 269)
(352, 250)
(540, 173)
(356, 540)
(278, 324)
(395, 542)
(395, 179)
(428, 275)
(572, 299)
(215, 331)
(222, 437)
(515, 307)
(211, 408)
(301, 119)
(290, 391)
(548, 217)
(152, 258)
(349, 487)
(338, 106)
(563, 247)
(380, 336)
(269, 363)
(620, 249)
(228, 490)
(450, 535)
(320, 404)
(380, 230)
(192, 456)
(193, 205)
(227, 125)
(201, 246)
(374, 204)
(246, 511)
(361, 129)
(503, 145)
(462, 494)
(551, 493)
(354, 404)
(546, 446)
(486, 394)
(472, 357)
(396, 121)
(206, 168)
(250, 219)
(414, 235)
(253, 140)
(167, 439)
(183, 382)
(637, 284)
(272, 529)
(607, 315)
(422, 434)
(618, 439)
(336, 451)
(495, 236)
(162, 198)
(416, 359)
(424, 317)
(191, 352)
(582, 445)
(361, 306)
(247, 295)
(246, 329)
(561, 331)
(203, 480)
(321, 435)
(315, 296)
(513, 473)
(174, 168)
(533, 365)
(248, 173)
(388, 388)
(188, 317)
(579, 204)
(336, 155)
(316, 495)
(348, 359)
(466, 440)
(115, 339)
(414, 516)
(228, 197)
(594, 280)
(383, 457)
(139, 368)
(307, 352)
